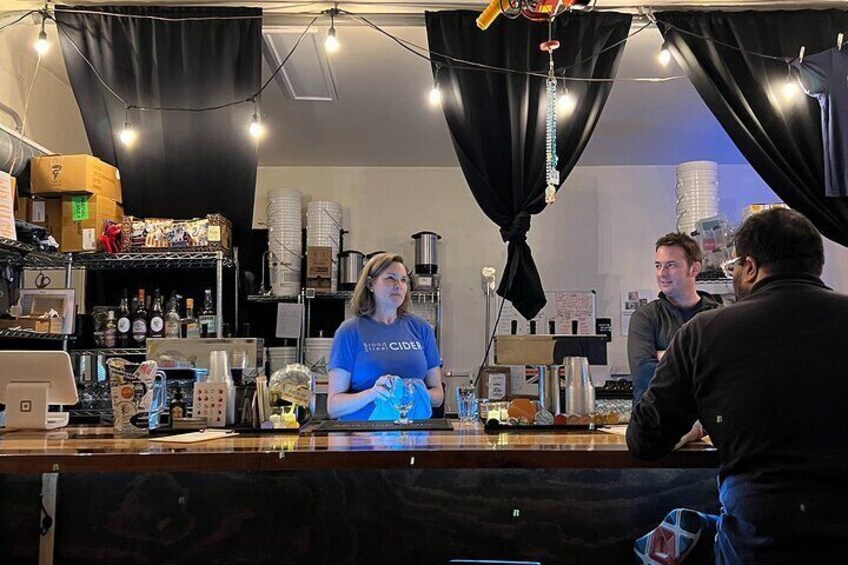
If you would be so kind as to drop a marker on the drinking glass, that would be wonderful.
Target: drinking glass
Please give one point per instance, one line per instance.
(466, 403)
(404, 401)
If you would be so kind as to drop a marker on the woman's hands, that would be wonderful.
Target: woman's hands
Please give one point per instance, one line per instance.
(382, 389)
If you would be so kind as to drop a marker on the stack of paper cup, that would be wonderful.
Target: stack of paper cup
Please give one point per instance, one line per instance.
(285, 243)
(697, 193)
(323, 224)
(279, 357)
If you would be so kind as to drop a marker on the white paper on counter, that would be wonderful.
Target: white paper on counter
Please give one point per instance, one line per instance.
(7, 207)
(288, 320)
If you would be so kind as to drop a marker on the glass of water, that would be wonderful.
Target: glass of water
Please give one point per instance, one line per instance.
(466, 403)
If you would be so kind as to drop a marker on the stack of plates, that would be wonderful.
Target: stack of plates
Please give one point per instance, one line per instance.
(323, 224)
(279, 357)
(697, 193)
(285, 243)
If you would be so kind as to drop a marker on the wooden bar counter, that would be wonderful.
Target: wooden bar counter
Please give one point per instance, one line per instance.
(97, 450)
(378, 497)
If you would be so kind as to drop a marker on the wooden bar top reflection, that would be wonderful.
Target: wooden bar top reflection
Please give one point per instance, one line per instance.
(83, 449)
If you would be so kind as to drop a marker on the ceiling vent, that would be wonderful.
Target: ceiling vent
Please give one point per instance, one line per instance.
(307, 74)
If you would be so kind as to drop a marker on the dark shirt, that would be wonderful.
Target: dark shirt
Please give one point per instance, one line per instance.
(651, 328)
(824, 76)
(766, 378)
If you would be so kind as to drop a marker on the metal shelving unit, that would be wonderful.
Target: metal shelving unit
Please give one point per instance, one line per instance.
(24, 334)
(113, 351)
(168, 260)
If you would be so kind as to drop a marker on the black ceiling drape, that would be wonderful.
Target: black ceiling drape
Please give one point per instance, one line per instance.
(782, 141)
(183, 164)
(497, 120)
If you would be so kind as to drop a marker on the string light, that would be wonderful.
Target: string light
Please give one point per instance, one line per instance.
(331, 44)
(435, 95)
(256, 129)
(566, 103)
(664, 56)
(41, 44)
(128, 135)
(791, 89)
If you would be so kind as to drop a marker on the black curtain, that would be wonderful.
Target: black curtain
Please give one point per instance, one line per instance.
(183, 164)
(497, 120)
(781, 141)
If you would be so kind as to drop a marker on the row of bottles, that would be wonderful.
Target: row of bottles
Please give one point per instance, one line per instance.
(147, 317)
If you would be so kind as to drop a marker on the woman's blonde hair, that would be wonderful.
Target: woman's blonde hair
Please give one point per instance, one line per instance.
(362, 303)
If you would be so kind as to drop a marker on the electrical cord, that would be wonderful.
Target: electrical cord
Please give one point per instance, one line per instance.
(489, 344)
(46, 519)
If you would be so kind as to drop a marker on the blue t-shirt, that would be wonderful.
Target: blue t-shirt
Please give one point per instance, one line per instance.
(367, 350)
(824, 76)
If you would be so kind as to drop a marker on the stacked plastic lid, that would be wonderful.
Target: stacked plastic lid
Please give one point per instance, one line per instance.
(697, 193)
(323, 224)
(279, 357)
(284, 213)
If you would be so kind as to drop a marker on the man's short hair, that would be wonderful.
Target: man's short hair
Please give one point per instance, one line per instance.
(687, 244)
(783, 241)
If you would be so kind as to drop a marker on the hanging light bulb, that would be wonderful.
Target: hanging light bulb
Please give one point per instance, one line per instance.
(41, 44)
(791, 89)
(331, 44)
(256, 129)
(664, 56)
(435, 96)
(566, 103)
(128, 134)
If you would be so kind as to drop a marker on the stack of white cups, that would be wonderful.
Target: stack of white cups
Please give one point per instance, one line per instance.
(284, 211)
(323, 224)
(697, 193)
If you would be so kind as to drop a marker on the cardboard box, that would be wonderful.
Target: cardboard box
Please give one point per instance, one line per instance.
(82, 220)
(319, 263)
(549, 349)
(495, 383)
(39, 325)
(60, 175)
(320, 285)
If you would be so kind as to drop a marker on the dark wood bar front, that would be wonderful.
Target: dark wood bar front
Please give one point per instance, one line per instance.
(382, 497)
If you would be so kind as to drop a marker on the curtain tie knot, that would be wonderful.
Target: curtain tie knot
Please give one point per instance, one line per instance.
(517, 231)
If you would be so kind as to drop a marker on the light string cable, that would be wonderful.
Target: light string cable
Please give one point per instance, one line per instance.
(252, 98)
(464, 64)
(17, 153)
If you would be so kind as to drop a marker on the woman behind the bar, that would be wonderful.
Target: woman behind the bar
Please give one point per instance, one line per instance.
(382, 340)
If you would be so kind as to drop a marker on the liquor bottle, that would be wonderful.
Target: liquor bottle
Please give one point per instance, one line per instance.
(172, 318)
(157, 316)
(190, 324)
(124, 325)
(207, 315)
(139, 325)
(110, 335)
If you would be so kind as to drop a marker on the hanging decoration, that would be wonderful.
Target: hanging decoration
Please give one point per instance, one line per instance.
(533, 10)
(551, 172)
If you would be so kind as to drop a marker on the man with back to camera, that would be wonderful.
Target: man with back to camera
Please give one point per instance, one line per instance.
(766, 380)
(677, 261)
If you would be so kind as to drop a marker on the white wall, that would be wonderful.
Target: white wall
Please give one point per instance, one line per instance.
(598, 235)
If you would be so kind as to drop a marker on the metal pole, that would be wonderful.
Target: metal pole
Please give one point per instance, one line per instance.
(235, 290)
(69, 275)
(219, 290)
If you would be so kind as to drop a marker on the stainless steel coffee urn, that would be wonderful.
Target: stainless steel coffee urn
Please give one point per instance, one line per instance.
(426, 274)
(350, 266)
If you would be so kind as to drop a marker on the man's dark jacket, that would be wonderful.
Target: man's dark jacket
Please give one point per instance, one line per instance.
(767, 378)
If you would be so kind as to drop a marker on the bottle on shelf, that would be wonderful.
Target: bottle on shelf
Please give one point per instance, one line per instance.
(139, 324)
(110, 334)
(172, 318)
(207, 315)
(157, 316)
(124, 324)
(190, 324)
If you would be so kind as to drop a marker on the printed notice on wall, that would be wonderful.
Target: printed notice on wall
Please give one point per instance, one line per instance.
(288, 320)
(566, 312)
(7, 207)
(631, 300)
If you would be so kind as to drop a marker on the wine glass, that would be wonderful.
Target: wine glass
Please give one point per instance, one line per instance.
(404, 400)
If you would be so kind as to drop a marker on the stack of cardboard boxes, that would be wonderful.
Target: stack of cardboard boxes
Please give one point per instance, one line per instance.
(73, 196)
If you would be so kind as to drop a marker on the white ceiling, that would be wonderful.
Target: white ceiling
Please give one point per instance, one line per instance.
(382, 117)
